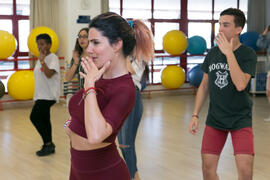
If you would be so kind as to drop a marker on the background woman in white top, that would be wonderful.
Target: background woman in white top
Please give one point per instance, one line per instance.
(47, 92)
(143, 53)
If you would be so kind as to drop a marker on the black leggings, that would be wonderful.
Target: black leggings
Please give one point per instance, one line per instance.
(40, 117)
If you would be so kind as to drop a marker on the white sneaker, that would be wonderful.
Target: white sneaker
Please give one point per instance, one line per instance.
(267, 119)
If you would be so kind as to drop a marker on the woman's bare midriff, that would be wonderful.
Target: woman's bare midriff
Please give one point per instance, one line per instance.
(81, 143)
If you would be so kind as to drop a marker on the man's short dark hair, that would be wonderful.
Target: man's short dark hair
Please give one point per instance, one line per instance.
(239, 16)
(44, 36)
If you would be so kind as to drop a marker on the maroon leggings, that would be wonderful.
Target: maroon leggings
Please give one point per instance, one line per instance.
(99, 164)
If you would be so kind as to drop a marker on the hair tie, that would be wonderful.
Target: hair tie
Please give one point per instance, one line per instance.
(131, 24)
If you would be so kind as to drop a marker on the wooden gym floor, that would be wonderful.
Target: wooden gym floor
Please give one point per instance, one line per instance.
(165, 149)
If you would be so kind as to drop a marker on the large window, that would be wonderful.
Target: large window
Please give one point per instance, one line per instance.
(193, 17)
(140, 9)
(165, 10)
(198, 9)
(14, 18)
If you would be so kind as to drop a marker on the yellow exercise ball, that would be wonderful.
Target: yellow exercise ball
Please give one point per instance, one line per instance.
(7, 44)
(173, 77)
(31, 42)
(21, 85)
(175, 42)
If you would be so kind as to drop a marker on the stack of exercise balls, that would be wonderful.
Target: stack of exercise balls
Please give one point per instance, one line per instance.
(31, 42)
(21, 85)
(196, 45)
(7, 44)
(195, 75)
(174, 43)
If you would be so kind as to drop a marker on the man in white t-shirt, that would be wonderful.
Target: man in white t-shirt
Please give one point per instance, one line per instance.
(47, 92)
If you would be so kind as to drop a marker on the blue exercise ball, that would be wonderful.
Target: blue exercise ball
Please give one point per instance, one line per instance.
(196, 45)
(195, 75)
(250, 39)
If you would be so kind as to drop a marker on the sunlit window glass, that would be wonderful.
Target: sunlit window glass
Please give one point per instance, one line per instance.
(165, 10)
(114, 6)
(23, 7)
(221, 5)
(198, 9)
(6, 25)
(6, 7)
(139, 9)
(24, 28)
(24, 64)
(243, 5)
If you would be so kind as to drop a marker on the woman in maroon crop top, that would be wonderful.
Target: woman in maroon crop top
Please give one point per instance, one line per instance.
(99, 109)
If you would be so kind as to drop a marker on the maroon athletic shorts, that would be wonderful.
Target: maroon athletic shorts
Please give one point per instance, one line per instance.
(214, 140)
